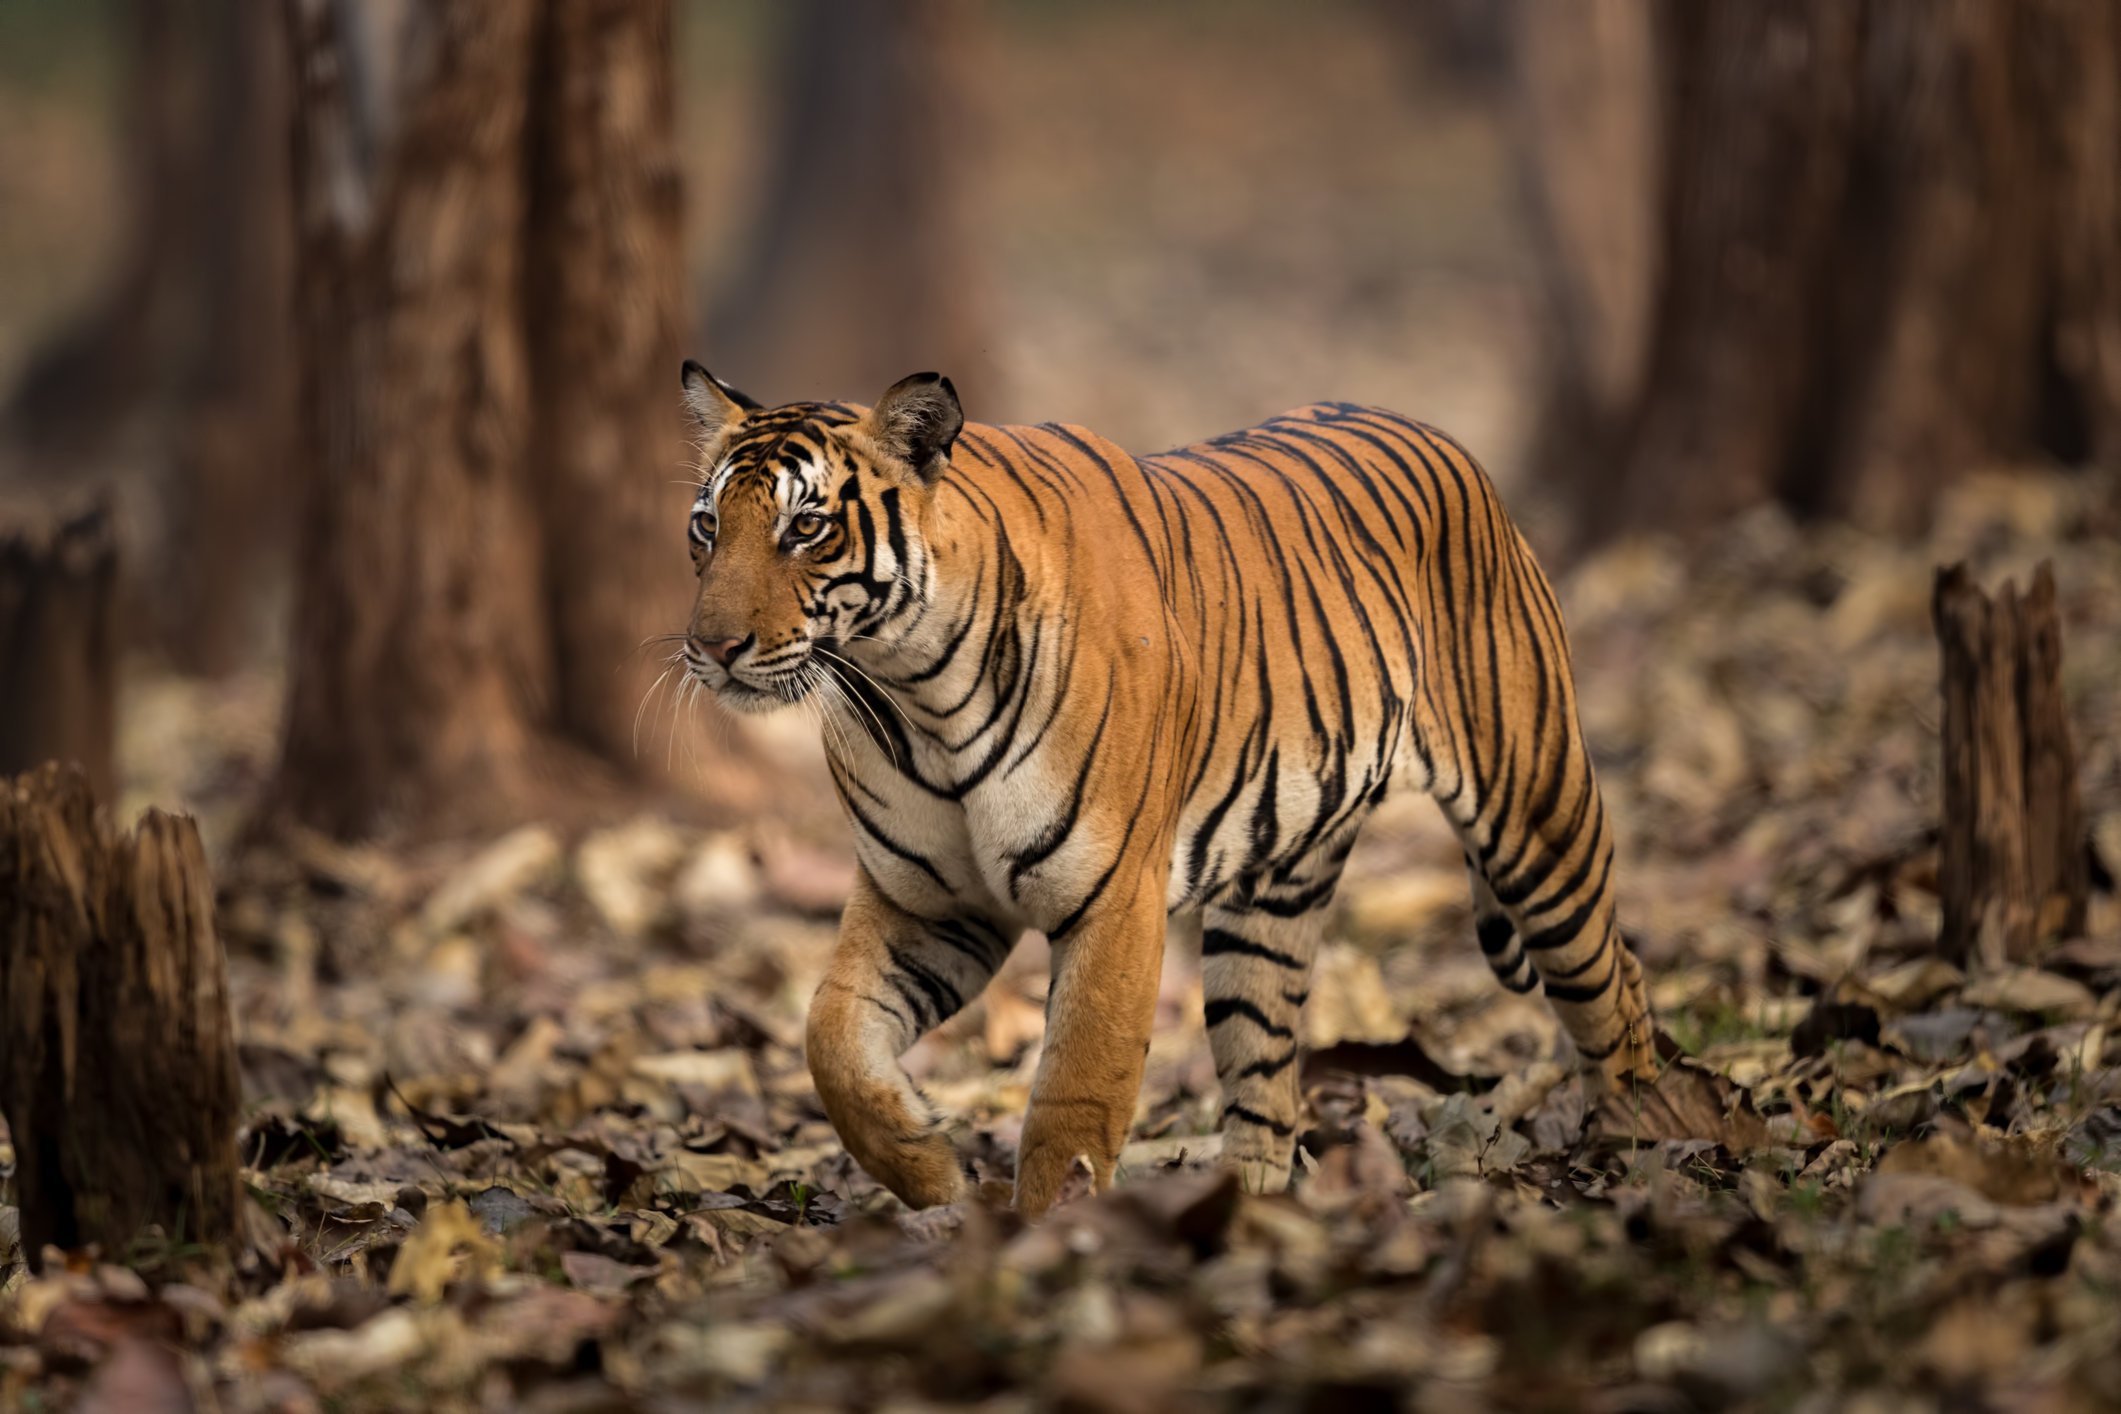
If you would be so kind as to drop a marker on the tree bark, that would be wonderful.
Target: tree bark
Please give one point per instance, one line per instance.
(117, 1058)
(2012, 855)
(864, 266)
(192, 333)
(1887, 249)
(608, 322)
(2058, 872)
(58, 648)
(492, 307)
(1587, 110)
(231, 499)
(419, 654)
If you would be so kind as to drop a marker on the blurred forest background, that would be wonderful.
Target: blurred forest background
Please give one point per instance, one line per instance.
(343, 479)
(382, 291)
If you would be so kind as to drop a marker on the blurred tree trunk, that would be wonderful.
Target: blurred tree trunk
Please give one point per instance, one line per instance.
(1884, 247)
(192, 332)
(58, 648)
(231, 497)
(490, 279)
(609, 320)
(864, 264)
(419, 658)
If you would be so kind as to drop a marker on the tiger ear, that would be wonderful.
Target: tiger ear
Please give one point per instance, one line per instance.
(718, 406)
(917, 420)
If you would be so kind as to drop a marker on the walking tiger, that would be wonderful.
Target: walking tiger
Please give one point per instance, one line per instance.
(1075, 690)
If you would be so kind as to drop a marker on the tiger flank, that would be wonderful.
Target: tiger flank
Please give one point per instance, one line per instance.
(1070, 689)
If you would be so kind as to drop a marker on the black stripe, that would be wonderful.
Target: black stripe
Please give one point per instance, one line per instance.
(1268, 1068)
(1219, 942)
(1495, 932)
(944, 999)
(1233, 1110)
(1592, 993)
(1224, 1008)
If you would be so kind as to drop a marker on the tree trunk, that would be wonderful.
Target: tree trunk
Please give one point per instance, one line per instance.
(491, 294)
(81, 385)
(864, 265)
(117, 1058)
(192, 333)
(2012, 855)
(58, 649)
(231, 499)
(1887, 248)
(419, 650)
(1587, 114)
(608, 321)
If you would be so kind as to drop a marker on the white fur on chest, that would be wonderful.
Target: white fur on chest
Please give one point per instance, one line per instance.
(978, 845)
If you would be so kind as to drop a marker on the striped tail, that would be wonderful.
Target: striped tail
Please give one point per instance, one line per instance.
(1514, 776)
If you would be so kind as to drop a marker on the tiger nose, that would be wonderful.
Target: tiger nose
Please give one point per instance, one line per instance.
(723, 649)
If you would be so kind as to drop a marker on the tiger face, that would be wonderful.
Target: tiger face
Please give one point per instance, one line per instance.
(806, 533)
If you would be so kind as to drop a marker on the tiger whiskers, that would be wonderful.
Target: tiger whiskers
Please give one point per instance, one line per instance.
(660, 678)
(823, 697)
(854, 699)
(858, 668)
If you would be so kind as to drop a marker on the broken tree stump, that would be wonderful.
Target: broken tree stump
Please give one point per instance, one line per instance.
(2011, 864)
(58, 647)
(117, 1056)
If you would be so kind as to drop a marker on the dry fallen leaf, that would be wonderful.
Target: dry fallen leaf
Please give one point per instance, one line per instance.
(1688, 1101)
(2003, 1171)
(610, 1058)
(2032, 990)
(448, 1245)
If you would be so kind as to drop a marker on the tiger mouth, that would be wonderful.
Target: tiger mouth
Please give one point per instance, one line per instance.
(785, 688)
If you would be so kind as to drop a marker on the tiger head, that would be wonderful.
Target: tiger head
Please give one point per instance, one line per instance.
(806, 532)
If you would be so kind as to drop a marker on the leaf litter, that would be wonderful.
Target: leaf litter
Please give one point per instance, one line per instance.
(530, 1127)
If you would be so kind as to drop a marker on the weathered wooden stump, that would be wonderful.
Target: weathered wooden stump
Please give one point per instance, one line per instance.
(2012, 868)
(58, 647)
(117, 1059)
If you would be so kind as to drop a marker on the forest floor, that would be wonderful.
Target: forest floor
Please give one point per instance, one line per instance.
(530, 1127)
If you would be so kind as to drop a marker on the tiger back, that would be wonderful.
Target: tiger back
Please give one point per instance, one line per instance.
(1069, 689)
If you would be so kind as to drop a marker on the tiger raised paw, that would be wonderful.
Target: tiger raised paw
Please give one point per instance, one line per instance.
(1071, 689)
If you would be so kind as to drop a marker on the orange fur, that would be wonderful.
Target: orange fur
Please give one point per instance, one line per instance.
(1073, 690)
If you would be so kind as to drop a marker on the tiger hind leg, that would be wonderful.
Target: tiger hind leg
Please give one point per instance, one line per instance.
(893, 978)
(1560, 934)
(1512, 965)
(1508, 763)
(1255, 978)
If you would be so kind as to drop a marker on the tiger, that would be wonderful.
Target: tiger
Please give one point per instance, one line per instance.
(1069, 689)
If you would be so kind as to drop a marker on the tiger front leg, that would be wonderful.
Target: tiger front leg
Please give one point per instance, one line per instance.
(1099, 1013)
(894, 977)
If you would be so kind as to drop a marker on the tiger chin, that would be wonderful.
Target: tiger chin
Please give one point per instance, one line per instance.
(1071, 689)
